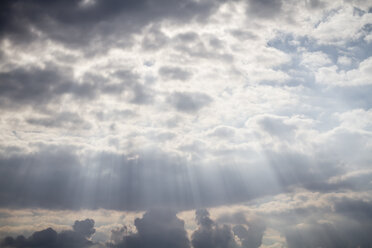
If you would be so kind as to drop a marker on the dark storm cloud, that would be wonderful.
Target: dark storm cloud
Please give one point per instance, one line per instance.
(264, 8)
(189, 102)
(159, 228)
(103, 22)
(174, 73)
(49, 238)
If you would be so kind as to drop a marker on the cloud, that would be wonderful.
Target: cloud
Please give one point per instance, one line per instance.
(355, 77)
(249, 231)
(209, 234)
(223, 132)
(51, 239)
(264, 9)
(157, 228)
(235, 232)
(341, 26)
(189, 102)
(39, 87)
(359, 210)
(277, 127)
(154, 39)
(84, 227)
(77, 25)
(342, 234)
(174, 73)
(64, 119)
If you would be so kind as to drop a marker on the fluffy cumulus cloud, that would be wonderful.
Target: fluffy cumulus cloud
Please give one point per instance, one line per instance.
(185, 123)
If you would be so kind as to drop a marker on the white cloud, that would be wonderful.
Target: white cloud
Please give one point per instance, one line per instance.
(333, 76)
(341, 26)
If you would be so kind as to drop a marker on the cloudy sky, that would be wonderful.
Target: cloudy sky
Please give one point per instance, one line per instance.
(185, 123)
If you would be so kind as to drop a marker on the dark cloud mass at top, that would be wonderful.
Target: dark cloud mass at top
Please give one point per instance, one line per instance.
(76, 23)
(185, 123)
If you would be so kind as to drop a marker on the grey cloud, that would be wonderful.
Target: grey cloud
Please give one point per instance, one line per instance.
(117, 114)
(215, 43)
(63, 119)
(299, 169)
(159, 228)
(250, 232)
(189, 102)
(49, 238)
(275, 126)
(141, 94)
(38, 87)
(356, 209)
(190, 44)
(73, 24)
(243, 35)
(210, 234)
(251, 237)
(341, 222)
(174, 73)
(223, 132)
(84, 227)
(315, 4)
(34, 86)
(117, 235)
(344, 234)
(187, 37)
(154, 39)
(264, 8)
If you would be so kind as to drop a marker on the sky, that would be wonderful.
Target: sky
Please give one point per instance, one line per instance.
(185, 123)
